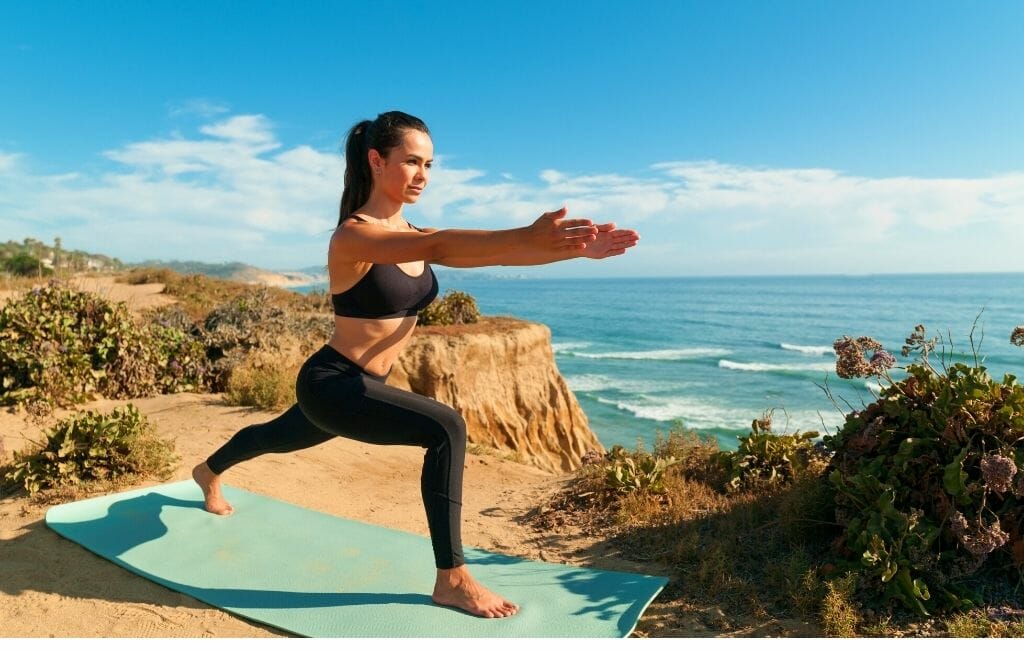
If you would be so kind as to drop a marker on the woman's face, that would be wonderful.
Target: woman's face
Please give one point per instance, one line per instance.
(405, 172)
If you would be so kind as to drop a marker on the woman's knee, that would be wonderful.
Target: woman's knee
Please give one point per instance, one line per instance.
(454, 427)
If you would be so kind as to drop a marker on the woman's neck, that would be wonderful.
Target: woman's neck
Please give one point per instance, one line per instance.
(381, 207)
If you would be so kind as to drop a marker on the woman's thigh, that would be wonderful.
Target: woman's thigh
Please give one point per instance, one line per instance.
(370, 411)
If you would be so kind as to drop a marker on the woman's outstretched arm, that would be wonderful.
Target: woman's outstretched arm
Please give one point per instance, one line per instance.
(551, 234)
(610, 241)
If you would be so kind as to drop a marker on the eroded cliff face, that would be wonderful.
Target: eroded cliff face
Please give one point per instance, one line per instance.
(500, 374)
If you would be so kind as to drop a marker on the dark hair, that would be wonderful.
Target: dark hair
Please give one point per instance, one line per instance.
(383, 134)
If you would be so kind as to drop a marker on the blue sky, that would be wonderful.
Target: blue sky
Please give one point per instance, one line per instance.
(737, 137)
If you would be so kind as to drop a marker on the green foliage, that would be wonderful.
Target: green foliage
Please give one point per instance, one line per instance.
(454, 308)
(92, 446)
(766, 457)
(928, 485)
(24, 264)
(59, 346)
(638, 471)
(247, 322)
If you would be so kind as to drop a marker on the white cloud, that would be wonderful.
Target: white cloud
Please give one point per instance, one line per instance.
(200, 106)
(254, 130)
(8, 161)
(233, 191)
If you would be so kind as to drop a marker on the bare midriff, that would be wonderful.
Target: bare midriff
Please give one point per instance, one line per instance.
(372, 343)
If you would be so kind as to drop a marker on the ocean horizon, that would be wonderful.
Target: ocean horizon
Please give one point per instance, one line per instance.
(715, 352)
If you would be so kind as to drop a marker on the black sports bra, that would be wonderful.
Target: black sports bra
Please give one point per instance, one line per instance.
(386, 291)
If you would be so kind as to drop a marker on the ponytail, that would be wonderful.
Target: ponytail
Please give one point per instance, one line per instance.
(382, 134)
(358, 179)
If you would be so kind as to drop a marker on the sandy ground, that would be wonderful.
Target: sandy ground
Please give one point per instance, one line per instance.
(50, 586)
(137, 296)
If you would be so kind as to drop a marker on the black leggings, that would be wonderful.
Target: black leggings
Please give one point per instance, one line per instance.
(338, 398)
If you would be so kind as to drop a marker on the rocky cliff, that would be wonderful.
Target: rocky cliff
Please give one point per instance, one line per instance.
(500, 374)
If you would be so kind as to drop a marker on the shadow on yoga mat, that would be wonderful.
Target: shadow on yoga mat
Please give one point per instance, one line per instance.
(314, 574)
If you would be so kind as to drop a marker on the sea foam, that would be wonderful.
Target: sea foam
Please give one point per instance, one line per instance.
(698, 413)
(566, 346)
(775, 367)
(675, 354)
(809, 350)
(592, 383)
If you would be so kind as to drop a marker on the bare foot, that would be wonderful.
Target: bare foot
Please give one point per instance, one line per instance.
(457, 588)
(210, 483)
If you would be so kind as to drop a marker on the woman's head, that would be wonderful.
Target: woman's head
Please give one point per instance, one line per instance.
(381, 135)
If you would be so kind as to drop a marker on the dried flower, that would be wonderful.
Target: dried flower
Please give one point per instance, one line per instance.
(917, 342)
(1017, 336)
(998, 472)
(882, 361)
(850, 361)
(983, 541)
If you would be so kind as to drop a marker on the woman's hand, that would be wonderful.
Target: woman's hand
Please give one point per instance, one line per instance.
(553, 232)
(610, 241)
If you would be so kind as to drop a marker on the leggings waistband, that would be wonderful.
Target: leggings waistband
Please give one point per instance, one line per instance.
(330, 355)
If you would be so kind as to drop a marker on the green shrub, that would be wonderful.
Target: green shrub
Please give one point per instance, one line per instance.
(766, 457)
(639, 471)
(454, 308)
(59, 346)
(928, 484)
(90, 447)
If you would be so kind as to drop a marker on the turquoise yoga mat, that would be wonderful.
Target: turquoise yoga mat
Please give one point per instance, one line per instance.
(317, 575)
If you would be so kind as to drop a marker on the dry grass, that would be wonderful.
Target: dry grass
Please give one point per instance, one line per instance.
(978, 625)
(20, 283)
(200, 294)
(840, 615)
(264, 386)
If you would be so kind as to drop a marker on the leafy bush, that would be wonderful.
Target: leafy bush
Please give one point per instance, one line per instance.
(928, 484)
(639, 471)
(24, 264)
(247, 322)
(766, 457)
(59, 346)
(454, 308)
(92, 446)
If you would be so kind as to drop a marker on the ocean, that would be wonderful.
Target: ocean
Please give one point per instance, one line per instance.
(716, 353)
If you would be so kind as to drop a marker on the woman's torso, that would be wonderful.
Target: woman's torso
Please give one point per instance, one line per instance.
(375, 342)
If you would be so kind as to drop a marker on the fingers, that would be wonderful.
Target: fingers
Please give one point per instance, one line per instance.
(575, 223)
(557, 214)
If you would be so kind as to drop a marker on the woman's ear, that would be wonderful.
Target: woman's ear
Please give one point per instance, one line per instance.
(376, 161)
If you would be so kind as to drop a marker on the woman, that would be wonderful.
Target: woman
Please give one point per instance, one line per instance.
(380, 277)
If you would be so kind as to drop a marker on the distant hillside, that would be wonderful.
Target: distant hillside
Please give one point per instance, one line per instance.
(32, 257)
(239, 272)
(224, 271)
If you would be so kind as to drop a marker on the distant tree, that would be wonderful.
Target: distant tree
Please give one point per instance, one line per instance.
(56, 253)
(22, 263)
